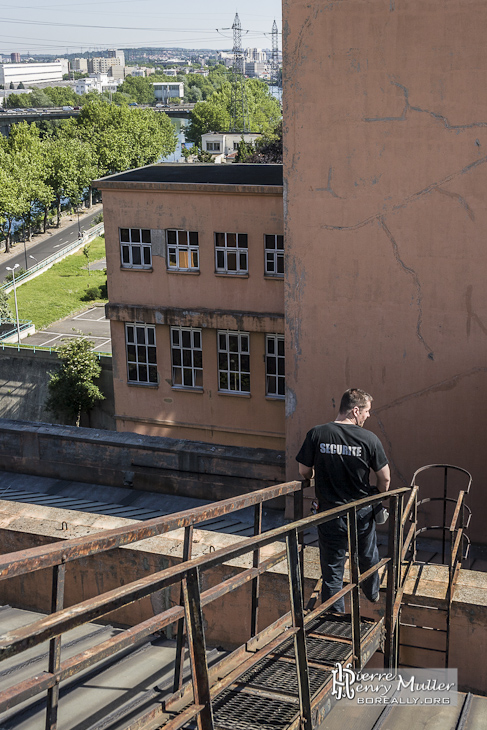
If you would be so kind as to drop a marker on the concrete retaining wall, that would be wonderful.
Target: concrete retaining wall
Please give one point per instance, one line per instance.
(24, 377)
(153, 463)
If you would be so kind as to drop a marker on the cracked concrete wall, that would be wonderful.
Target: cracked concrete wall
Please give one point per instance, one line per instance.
(385, 183)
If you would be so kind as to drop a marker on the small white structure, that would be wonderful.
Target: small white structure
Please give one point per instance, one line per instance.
(166, 90)
(225, 144)
(97, 82)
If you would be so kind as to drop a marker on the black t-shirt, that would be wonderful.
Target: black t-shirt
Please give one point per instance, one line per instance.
(342, 456)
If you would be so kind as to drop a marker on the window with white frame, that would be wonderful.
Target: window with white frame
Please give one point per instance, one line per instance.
(274, 366)
(136, 248)
(231, 253)
(274, 255)
(140, 342)
(182, 250)
(233, 362)
(187, 357)
(213, 146)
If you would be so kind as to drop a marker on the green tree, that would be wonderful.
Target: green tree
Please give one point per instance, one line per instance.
(72, 389)
(39, 99)
(15, 101)
(267, 150)
(24, 141)
(123, 137)
(21, 86)
(70, 168)
(19, 184)
(62, 96)
(5, 311)
(139, 88)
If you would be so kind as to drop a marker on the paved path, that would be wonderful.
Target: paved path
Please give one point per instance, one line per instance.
(91, 323)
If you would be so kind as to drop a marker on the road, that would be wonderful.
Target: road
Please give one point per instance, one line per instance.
(49, 245)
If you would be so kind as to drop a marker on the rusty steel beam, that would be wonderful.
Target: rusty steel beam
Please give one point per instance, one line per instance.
(45, 556)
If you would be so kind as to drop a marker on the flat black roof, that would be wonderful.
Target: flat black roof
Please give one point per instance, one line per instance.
(213, 174)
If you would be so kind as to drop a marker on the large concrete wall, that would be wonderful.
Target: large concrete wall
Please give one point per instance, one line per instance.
(24, 379)
(385, 114)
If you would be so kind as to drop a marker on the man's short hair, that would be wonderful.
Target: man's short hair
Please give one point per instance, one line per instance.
(354, 397)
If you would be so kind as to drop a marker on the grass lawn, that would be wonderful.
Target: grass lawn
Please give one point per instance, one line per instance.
(58, 292)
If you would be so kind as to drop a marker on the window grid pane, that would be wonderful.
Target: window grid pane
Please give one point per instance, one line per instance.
(136, 248)
(187, 357)
(233, 362)
(274, 255)
(231, 253)
(182, 250)
(275, 366)
(141, 353)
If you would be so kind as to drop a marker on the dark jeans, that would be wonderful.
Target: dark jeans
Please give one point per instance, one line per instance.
(333, 541)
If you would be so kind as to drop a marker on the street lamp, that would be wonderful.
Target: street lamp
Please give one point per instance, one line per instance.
(12, 269)
(33, 257)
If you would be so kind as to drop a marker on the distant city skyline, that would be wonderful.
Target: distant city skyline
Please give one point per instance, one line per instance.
(43, 27)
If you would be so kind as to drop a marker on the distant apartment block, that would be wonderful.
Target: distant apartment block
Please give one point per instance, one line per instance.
(195, 265)
(79, 65)
(30, 73)
(166, 90)
(255, 69)
(103, 65)
(15, 57)
(113, 53)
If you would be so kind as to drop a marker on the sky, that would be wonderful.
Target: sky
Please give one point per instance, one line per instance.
(52, 26)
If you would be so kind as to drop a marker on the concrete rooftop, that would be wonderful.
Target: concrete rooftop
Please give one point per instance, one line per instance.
(201, 174)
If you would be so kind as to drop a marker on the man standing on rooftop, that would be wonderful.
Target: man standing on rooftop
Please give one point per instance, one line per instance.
(340, 455)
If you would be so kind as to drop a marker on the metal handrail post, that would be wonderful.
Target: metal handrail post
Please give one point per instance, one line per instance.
(298, 499)
(297, 610)
(179, 660)
(57, 603)
(254, 616)
(355, 594)
(391, 639)
(197, 648)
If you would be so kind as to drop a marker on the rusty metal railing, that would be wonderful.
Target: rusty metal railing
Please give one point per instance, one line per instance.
(455, 542)
(194, 700)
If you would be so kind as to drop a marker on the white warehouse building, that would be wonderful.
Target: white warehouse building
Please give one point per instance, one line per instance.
(30, 73)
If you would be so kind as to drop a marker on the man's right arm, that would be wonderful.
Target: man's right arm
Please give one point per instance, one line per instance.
(383, 478)
(305, 471)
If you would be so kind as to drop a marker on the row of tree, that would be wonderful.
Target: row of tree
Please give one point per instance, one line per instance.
(139, 89)
(38, 169)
